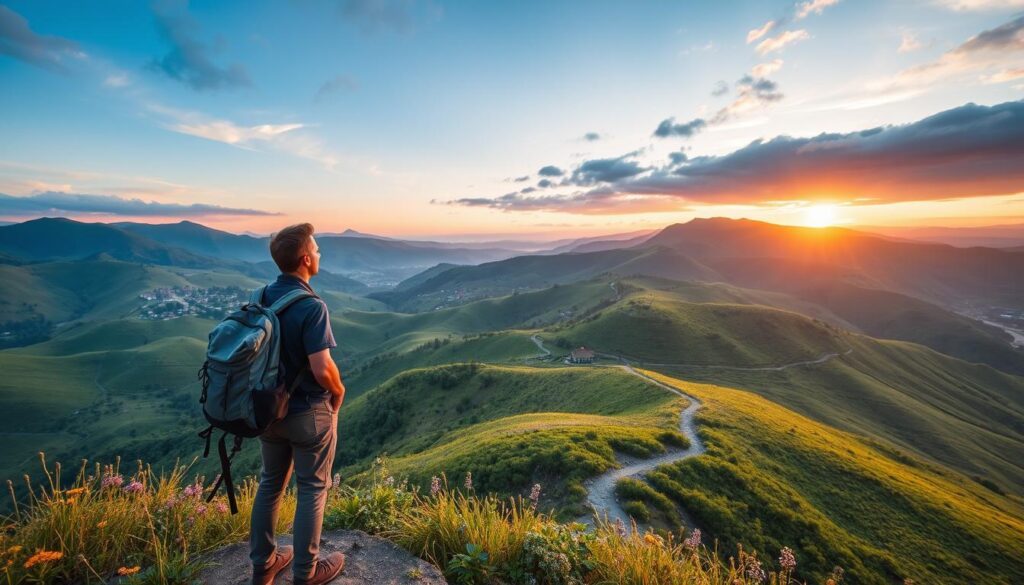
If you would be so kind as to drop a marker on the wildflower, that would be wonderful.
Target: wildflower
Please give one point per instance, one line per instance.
(337, 481)
(620, 527)
(653, 539)
(101, 524)
(786, 559)
(435, 486)
(201, 509)
(43, 556)
(469, 480)
(193, 491)
(755, 571)
(111, 480)
(134, 487)
(221, 508)
(693, 541)
(836, 577)
(74, 492)
(171, 502)
(389, 481)
(70, 500)
(14, 549)
(535, 494)
(125, 571)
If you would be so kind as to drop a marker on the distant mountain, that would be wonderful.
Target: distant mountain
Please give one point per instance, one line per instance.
(421, 277)
(202, 240)
(990, 236)
(50, 239)
(599, 243)
(936, 272)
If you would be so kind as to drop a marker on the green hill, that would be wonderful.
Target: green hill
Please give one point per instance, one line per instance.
(773, 478)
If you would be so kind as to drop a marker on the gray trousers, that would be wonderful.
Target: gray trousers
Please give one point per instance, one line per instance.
(306, 441)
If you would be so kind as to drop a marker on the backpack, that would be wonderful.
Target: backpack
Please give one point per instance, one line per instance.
(243, 386)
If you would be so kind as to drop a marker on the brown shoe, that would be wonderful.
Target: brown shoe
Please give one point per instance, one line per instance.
(282, 559)
(325, 571)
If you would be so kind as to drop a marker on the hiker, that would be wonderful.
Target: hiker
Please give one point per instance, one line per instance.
(306, 437)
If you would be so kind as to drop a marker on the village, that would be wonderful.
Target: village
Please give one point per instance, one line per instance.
(166, 303)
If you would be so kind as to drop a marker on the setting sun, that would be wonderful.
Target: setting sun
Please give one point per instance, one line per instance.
(820, 216)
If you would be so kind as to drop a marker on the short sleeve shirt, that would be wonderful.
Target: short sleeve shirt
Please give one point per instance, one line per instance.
(305, 329)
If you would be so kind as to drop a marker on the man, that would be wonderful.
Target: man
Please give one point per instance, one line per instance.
(307, 436)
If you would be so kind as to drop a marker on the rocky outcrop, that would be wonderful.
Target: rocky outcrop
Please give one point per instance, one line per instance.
(369, 559)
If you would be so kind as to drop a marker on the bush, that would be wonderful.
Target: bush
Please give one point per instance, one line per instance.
(637, 511)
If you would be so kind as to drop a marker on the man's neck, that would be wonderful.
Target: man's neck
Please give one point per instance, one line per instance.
(301, 275)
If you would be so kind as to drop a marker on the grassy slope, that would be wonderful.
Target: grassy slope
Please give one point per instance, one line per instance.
(510, 426)
(772, 478)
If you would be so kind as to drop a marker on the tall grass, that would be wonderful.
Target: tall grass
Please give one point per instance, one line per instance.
(156, 528)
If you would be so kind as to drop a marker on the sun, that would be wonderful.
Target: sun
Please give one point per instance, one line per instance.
(819, 216)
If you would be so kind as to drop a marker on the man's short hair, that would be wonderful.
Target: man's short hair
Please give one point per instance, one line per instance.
(289, 245)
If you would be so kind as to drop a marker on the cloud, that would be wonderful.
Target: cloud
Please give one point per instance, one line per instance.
(677, 157)
(757, 33)
(971, 5)
(805, 9)
(909, 42)
(591, 136)
(606, 170)
(400, 16)
(1005, 75)
(584, 204)
(721, 88)
(118, 79)
(969, 151)
(188, 60)
(17, 40)
(544, 183)
(230, 133)
(550, 171)
(789, 37)
(521, 179)
(668, 127)
(60, 203)
(766, 69)
(337, 84)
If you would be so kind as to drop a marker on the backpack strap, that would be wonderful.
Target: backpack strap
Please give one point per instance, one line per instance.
(256, 297)
(289, 298)
(225, 471)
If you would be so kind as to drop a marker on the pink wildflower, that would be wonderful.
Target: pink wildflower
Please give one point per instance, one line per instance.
(111, 480)
(134, 487)
(786, 559)
(693, 541)
(435, 486)
(535, 494)
(221, 508)
(201, 509)
(620, 527)
(193, 491)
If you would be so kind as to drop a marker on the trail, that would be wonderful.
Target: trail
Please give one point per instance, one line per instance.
(601, 489)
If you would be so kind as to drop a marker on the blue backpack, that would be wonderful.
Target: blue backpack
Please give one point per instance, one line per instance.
(243, 387)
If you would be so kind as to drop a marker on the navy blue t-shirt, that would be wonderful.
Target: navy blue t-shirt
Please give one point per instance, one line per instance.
(305, 329)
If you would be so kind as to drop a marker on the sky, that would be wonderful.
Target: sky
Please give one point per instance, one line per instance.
(481, 120)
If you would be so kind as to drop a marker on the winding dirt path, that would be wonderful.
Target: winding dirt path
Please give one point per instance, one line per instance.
(601, 489)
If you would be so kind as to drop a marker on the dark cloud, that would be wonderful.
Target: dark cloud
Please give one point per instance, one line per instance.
(668, 127)
(401, 16)
(587, 204)
(969, 151)
(677, 157)
(1009, 36)
(188, 60)
(591, 136)
(18, 41)
(606, 170)
(721, 88)
(544, 183)
(526, 190)
(58, 203)
(521, 179)
(335, 85)
(550, 171)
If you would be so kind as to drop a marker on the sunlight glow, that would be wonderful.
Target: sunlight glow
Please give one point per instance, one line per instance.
(820, 216)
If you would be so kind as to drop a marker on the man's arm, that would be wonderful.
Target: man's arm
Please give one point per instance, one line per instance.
(327, 375)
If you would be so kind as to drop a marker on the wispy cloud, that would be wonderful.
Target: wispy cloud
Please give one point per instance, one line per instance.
(592, 136)
(805, 9)
(968, 151)
(778, 43)
(189, 60)
(752, 93)
(336, 85)
(909, 42)
(78, 203)
(766, 69)
(19, 41)
(401, 16)
(972, 5)
(758, 33)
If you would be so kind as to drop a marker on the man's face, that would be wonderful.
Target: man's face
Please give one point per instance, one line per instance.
(313, 253)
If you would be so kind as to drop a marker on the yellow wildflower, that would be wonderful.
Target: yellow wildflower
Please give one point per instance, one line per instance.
(125, 571)
(70, 500)
(43, 556)
(74, 492)
(14, 549)
(652, 539)
(101, 524)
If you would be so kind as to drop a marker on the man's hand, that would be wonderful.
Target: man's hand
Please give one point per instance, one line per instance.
(326, 373)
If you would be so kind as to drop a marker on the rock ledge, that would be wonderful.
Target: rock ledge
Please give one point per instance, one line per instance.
(368, 559)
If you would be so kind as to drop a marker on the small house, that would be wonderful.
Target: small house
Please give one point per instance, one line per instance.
(581, 355)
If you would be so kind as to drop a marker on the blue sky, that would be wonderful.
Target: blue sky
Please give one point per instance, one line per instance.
(414, 118)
